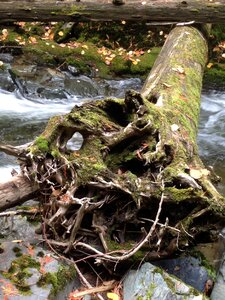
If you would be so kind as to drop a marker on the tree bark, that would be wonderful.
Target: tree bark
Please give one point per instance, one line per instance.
(202, 11)
(137, 183)
(18, 189)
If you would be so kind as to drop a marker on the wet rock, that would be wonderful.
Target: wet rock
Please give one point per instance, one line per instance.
(6, 83)
(28, 270)
(81, 86)
(117, 88)
(6, 57)
(150, 282)
(188, 269)
(73, 70)
(219, 287)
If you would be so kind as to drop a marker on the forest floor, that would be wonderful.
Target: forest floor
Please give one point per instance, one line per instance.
(104, 50)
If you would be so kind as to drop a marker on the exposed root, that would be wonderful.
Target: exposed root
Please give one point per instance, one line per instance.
(126, 195)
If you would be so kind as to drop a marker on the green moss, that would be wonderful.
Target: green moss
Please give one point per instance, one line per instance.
(146, 62)
(171, 283)
(179, 195)
(42, 144)
(34, 220)
(17, 251)
(84, 54)
(24, 207)
(214, 76)
(58, 280)
(55, 153)
(20, 266)
(217, 33)
(149, 293)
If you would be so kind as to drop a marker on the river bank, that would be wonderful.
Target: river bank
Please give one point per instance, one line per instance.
(103, 50)
(51, 90)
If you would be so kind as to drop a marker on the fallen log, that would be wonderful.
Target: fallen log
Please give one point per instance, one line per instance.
(137, 187)
(15, 191)
(105, 10)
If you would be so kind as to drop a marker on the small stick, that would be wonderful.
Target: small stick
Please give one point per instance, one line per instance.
(92, 290)
(18, 212)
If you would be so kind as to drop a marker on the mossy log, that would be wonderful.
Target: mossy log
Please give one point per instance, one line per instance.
(202, 11)
(137, 187)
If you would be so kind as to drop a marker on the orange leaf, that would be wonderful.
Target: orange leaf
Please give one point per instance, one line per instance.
(32, 40)
(8, 289)
(44, 261)
(30, 250)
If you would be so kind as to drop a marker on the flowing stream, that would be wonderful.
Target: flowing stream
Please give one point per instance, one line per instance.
(22, 119)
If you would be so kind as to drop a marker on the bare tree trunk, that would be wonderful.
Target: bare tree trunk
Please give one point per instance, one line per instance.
(105, 10)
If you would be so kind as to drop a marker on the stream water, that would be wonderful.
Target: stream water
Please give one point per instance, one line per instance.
(21, 119)
(24, 118)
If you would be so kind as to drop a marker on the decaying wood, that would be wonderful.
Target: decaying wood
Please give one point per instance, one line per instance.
(137, 187)
(104, 10)
(18, 189)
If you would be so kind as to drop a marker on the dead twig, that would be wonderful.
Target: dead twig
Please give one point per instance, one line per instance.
(32, 211)
(92, 290)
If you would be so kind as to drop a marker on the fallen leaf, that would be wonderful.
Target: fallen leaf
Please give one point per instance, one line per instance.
(196, 174)
(30, 250)
(209, 65)
(5, 32)
(179, 69)
(8, 289)
(61, 33)
(113, 296)
(174, 127)
(205, 172)
(44, 261)
(32, 40)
